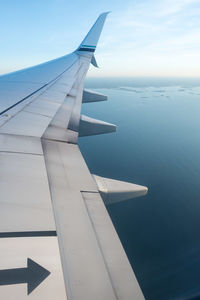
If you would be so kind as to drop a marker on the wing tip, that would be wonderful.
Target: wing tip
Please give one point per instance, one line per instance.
(105, 13)
(89, 43)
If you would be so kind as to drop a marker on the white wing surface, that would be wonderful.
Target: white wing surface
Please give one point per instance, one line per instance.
(56, 238)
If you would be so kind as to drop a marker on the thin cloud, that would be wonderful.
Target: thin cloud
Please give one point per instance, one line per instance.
(170, 7)
(149, 36)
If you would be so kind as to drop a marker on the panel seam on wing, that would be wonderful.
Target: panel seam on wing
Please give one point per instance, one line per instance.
(100, 247)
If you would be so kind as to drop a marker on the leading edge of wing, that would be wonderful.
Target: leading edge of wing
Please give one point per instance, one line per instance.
(26, 82)
(88, 45)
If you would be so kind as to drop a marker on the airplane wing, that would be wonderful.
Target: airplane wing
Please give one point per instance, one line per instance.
(56, 238)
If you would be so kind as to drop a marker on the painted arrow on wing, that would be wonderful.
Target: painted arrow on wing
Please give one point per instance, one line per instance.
(33, 275)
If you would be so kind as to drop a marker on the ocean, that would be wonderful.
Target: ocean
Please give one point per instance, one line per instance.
(157, 144)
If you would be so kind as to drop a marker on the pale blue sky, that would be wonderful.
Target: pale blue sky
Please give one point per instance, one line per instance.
(140, 37)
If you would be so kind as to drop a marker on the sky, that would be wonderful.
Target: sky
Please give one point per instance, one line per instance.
(158, 38)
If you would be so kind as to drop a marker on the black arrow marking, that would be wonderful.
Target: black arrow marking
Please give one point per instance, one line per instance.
(33, 275)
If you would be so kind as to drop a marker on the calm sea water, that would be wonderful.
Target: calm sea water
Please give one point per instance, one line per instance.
(157, 144)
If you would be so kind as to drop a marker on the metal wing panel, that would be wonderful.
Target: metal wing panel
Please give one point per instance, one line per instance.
(45, 108)
(37, 114)
(27, 224)
(94, 263)
(36, 124)
(20, 144)
(85, 273)
(47, 189)
(22, 87)
(120, 272)
(68, 115)
(13, 91)
(29, 199)
(44, 251)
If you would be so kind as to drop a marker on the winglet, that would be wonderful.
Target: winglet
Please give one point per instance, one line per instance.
(89, 43)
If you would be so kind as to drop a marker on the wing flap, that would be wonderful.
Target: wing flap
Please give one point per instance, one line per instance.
(80, 264)
(92, 256)
(123, 280)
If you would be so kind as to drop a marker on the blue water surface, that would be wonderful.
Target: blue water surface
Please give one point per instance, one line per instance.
(157, 144)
